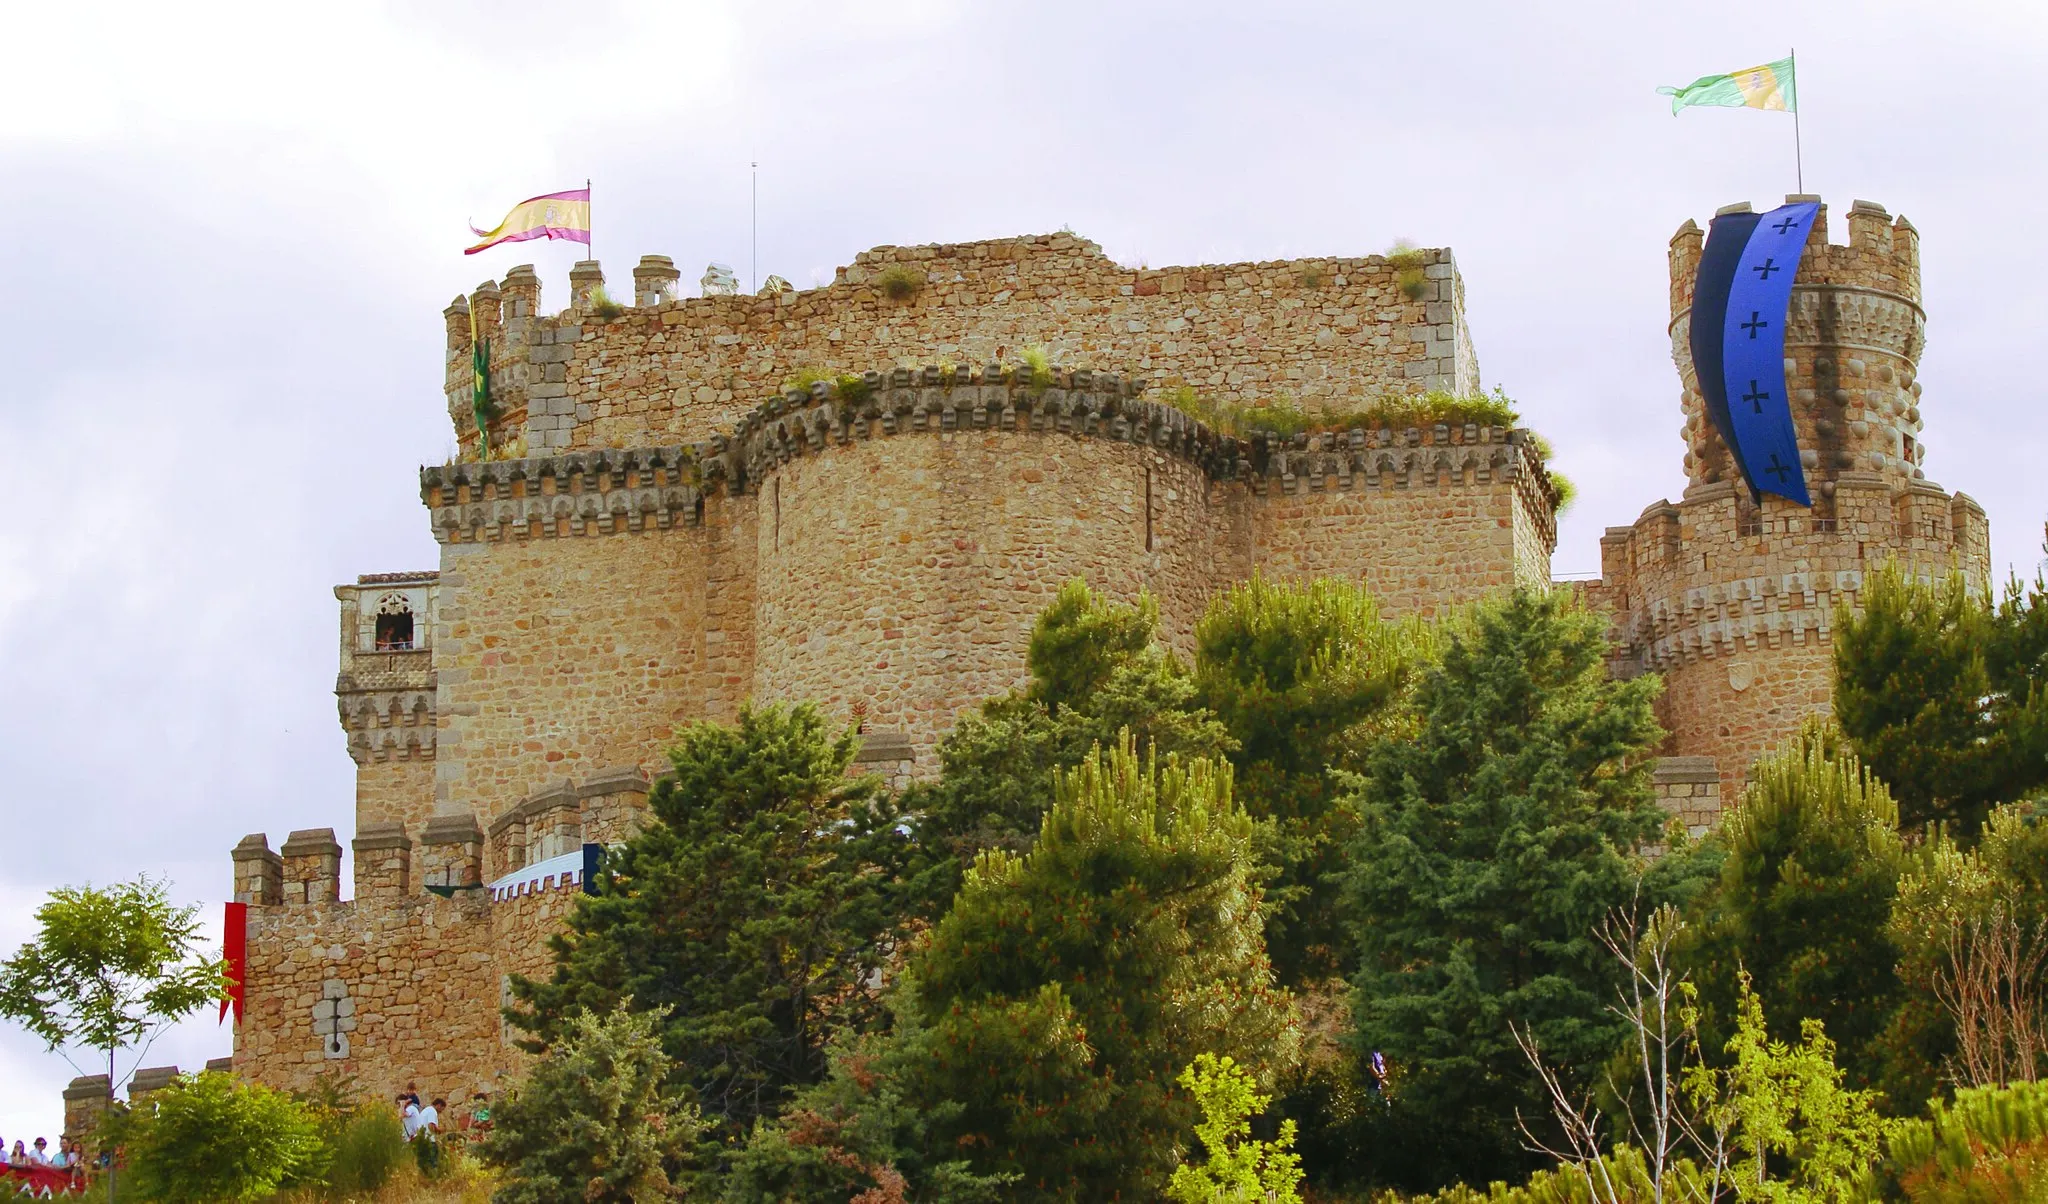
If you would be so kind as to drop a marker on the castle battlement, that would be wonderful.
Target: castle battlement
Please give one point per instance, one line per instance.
(606, 491)
(1333, 331)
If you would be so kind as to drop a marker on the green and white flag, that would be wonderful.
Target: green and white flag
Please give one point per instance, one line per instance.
(1769, 86)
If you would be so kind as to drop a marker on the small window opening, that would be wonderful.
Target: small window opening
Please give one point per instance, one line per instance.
(394, 632)
(1148, 508)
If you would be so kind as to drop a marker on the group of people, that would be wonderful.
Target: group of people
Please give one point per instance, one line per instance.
(65, 1156)
(423, 1121)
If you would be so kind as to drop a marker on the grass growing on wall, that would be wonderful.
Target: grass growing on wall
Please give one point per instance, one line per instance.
(1284, 416)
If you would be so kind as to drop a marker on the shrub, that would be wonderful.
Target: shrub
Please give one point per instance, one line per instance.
(210, 1137)
(369, 1147)
(1407, 261)
(1039, 360)
(603, 305)
(595, 1120)
(1990, 1146)
(1238, 1167)
(900, 282)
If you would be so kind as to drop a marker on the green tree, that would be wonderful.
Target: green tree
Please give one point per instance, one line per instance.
(1068, 986)
(596, 1120)
(754, 910)
(1942, 694)
(1096, 669)
(1795, 1134)
(1492, 845)
(1298, 673)
(1239, 1169)
(860, 1134)
(1812, 867)
(110, 967)
(210, 1137)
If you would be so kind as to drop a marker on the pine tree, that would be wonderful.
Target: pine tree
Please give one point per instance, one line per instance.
(1096, 669)
(596, 1120)
(1299, 673)
(1812, 869)
(1492, 844)
(1943, 694)
(756, 908)
(1068, 986)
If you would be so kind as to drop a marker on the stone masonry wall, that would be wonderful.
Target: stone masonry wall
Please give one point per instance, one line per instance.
(1337, 331)
(394, 987)
(863, 595)
(563, 652)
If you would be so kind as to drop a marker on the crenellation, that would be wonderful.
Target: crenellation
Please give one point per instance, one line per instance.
(259, 873)
(383, 860)
(451, 851)
(312, 866)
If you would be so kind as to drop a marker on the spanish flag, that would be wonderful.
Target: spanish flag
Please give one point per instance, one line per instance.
(1769, 86)
(555, 215)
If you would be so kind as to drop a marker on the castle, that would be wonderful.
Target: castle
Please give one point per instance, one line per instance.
(663, 545)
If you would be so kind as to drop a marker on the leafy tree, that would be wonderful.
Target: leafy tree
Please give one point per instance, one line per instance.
(110, 967)
(1239, 1167)
(1069, 985)
(1297, 672)
(597, 1119)
(1813, 864)
(1096, 669)
(753, 912)
(859, 1135)
(1784, 1105)
(1942, 694)
(1492, 844)
(211, 1137)
(1971, 927)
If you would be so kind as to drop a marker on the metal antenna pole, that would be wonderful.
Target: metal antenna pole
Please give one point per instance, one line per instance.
(1798, 150)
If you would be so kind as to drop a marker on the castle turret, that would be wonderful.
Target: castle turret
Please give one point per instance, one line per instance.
(1734, 601)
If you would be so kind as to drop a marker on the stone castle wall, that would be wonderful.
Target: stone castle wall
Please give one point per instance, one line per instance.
(1336, 332)
(1734, 603)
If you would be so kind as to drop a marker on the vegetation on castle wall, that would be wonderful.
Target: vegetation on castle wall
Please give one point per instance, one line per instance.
(900, 282)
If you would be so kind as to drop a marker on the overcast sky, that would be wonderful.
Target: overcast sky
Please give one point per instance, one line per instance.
(236, 226)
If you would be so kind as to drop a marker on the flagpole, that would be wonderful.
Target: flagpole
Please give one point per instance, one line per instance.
(755, 245)
(590, 212)
(1798, 150)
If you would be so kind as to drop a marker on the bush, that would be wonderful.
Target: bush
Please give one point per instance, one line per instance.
(1991, 1145)
(368, 1147)
(595, 1120)
(604, 305)
(211, 1137)
(900, 282)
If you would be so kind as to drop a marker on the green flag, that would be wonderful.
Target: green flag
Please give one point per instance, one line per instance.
(480, 370)
(1769, 86)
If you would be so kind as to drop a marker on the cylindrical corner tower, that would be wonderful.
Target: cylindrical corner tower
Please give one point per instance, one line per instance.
(1734, 601)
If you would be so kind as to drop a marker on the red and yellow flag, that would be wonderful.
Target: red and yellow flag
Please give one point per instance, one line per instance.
(554, 215)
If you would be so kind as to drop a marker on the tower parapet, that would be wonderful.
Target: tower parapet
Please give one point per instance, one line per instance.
(1333, 332)
(1734, 602)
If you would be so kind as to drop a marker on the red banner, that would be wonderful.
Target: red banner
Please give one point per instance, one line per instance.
(235, 948)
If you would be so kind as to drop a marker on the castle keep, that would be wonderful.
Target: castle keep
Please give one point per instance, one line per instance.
(673, 533)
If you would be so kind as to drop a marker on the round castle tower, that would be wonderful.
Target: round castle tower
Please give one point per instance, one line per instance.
(1734, 602)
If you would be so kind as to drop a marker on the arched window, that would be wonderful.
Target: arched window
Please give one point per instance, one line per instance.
(394, 624)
